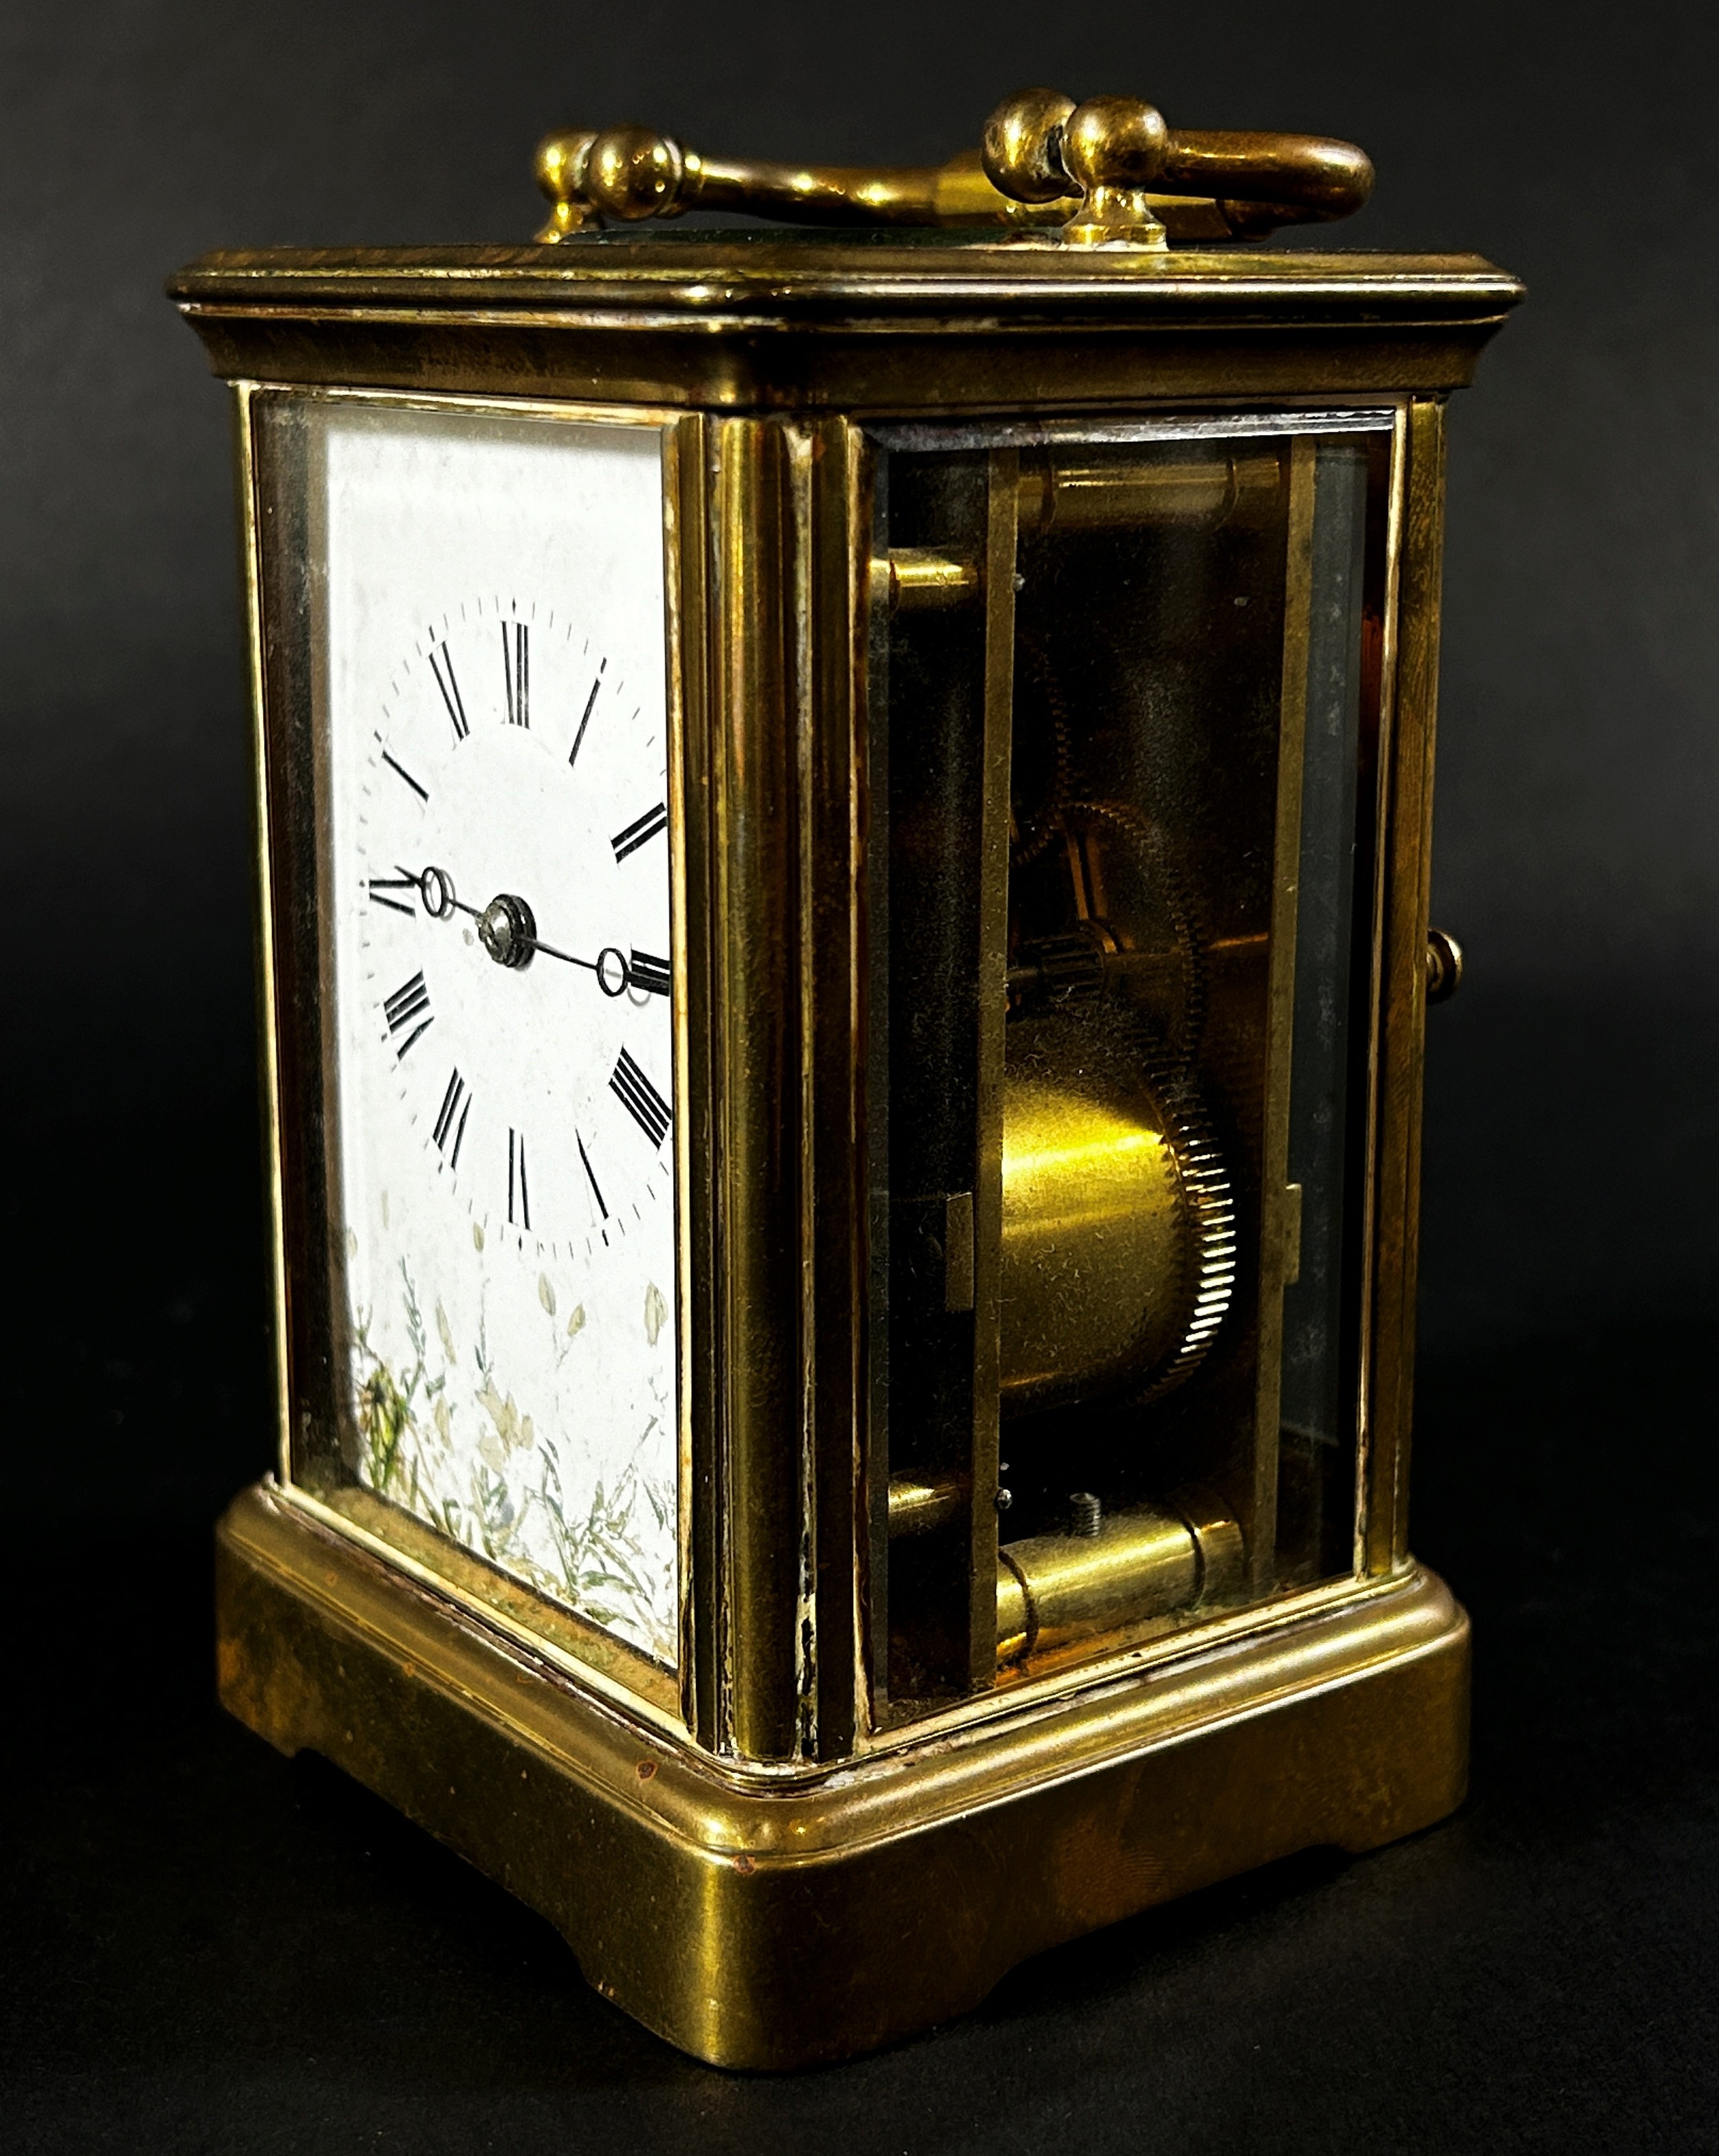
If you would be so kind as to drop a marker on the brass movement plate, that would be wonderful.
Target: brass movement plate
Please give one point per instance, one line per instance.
(774, 1927)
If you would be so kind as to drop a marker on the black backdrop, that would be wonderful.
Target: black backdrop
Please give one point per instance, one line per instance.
(213, 1948)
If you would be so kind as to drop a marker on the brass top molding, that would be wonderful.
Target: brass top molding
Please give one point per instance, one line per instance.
(865, 323)
(757, 281)
(1107, 172)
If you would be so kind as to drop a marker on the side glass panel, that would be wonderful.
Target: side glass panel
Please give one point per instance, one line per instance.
(1173, 1219)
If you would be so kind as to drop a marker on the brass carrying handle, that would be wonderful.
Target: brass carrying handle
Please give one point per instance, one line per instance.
(1107, 172)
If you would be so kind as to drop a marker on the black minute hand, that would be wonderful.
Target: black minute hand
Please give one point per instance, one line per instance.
(600, 965)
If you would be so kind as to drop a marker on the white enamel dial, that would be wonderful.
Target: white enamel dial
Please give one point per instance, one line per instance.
(497, 730)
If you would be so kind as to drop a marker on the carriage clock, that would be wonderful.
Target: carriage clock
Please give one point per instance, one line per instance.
(844, 817)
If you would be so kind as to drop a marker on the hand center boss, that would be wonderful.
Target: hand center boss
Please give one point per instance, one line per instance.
(507, 929)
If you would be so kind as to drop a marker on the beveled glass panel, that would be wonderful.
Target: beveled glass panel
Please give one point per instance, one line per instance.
(1190, 695)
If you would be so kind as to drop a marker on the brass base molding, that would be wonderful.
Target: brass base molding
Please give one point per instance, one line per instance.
(759, 1922)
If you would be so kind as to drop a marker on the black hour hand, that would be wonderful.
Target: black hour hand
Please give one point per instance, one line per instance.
(435, 888)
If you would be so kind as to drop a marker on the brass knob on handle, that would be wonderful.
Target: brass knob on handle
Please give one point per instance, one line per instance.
(627, 173)
(1121, 158)
(559, 168)
(1022, 147)
(1114, 149)
(633, 173)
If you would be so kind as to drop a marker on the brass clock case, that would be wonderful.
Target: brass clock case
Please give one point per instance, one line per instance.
(1047, 1061)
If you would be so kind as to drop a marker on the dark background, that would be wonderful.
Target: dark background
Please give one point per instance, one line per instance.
(209, 1947)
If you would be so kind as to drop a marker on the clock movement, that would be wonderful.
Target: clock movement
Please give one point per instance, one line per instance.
(844, 813)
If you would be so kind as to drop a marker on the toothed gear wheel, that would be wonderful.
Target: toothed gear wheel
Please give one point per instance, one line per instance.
(1209, 1286)
(1119, 1245)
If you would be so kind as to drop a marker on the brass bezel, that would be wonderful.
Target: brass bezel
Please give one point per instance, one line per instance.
(289, 725)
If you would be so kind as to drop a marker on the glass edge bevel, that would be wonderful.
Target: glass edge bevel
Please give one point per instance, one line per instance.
(263, 915)
(1366, 1431)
